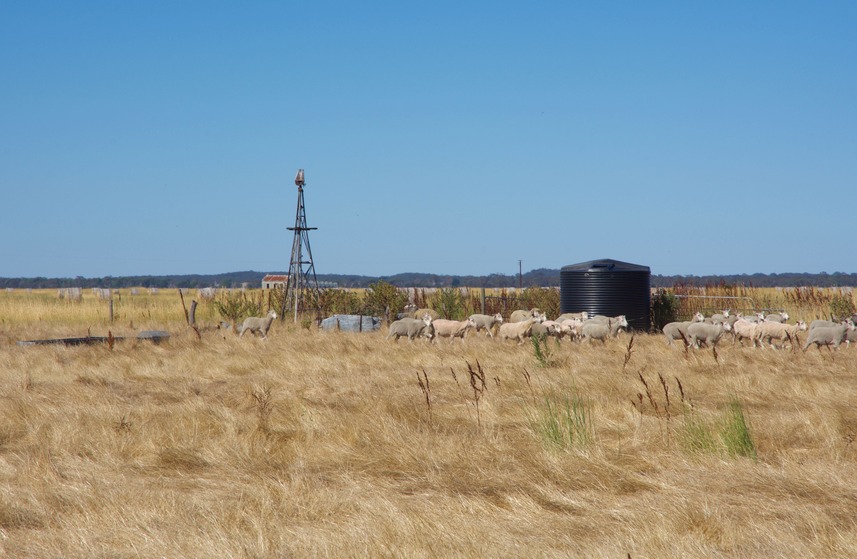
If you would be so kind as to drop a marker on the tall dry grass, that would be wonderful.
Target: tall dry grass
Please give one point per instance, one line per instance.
(330, 444)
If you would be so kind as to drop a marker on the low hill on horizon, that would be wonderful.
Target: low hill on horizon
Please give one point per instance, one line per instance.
(542, 277)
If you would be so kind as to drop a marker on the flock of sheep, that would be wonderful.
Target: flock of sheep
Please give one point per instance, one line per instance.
(520, 326)
(760, 330)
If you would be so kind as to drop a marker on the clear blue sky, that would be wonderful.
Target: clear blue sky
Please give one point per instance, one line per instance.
(148, 138)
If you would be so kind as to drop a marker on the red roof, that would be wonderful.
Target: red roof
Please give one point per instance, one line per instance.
(272, 277)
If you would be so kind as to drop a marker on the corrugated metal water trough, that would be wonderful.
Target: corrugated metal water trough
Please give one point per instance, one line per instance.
(351, 323)
(154, 336)
(608, 287)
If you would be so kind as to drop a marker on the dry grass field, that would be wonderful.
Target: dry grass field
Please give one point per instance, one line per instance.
(325, 444)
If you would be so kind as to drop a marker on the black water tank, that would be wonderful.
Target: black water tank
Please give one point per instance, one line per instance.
(607, 287)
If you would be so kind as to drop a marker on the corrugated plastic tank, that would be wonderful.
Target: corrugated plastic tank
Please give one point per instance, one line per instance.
(608, 287)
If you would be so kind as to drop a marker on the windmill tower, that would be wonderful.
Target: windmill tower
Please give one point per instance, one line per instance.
(302, 286)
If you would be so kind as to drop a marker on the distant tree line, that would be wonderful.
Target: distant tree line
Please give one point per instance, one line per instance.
(542, 277)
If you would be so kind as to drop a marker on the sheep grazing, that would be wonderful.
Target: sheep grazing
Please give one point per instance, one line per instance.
(827, 336)
(744, 329)
(703, 333)
(516, 330)
(573, 315)
(486, 322)
(411, 328)
(521, 316)
(452, 328)
(766, 332)
(258, 325)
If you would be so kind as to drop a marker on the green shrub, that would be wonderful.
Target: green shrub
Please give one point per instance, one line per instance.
(545, 299)
(339, 301)
(384, 299)
(233, 306)
(841, 306)
(665, 308)
(449, 303)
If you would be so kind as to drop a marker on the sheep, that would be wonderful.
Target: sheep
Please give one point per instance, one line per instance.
(452, 328)
(419, 313)
(598, 330)
(676, 331)
(571, 327)
(617, 323)
(548, 328)
(718, 317)
(777, 317)
(572, 315)
(827, 336)
(744, 329)
(816, 323)
(521, 316)
(258, 325)
(516, 330)
(851, 336)
(486, 322)
(412, 328)
(768, 331)
(703, 333)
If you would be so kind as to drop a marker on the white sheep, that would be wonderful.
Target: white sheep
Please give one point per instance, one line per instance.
(516, 330)
(617, 323)
(411, 328)
(777, 317)
(827, 336)
(677, 331)
(521, 316)
(573, 315)
(742, 330)
(486, 322)
(816, 323)
(257, 325)
(420, 313)
(572, 328)
(769, 331)
(703, 333)
(547, 328)
(718, 317)
(596, 330)
(452, 328)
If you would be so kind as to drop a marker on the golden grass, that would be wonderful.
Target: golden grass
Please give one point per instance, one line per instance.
(322, 444)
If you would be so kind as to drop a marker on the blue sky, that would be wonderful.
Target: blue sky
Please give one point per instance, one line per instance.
(157, 138)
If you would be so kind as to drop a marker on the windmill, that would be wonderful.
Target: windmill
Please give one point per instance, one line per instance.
(302, 286)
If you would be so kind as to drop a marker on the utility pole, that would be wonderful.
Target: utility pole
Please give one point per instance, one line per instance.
(520, 276)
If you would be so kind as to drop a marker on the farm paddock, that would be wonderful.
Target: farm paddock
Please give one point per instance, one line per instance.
(316, 443)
